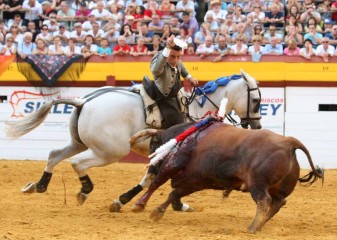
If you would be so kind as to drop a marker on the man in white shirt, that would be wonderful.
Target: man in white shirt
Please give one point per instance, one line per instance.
(100, 13)
(185, 6)
(33, 11)
(78, 33)
(87, 25)
(206, 48)
(96, 32)
(325, 50)
(63, 33)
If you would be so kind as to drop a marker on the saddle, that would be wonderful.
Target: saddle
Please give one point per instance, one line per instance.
(149, 87)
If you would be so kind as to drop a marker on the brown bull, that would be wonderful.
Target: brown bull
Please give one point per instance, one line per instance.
(227, 158)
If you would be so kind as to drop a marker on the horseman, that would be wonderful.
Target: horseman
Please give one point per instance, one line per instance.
(167, 68)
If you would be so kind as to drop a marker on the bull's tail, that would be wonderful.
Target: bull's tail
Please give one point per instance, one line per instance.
(315, 173)
(21, 127)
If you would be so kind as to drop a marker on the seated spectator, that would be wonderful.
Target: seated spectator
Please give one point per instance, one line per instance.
(312, 21)
(9, 48)
(167, 32)
(190, 49)
(56, 48)
(275, 16)
(121, 48)
(14, 33)
(213, 24)
(293, 22)
(219, 15)
(144, 32)
(27, 46)
(292, 49)
(258, 31)
(325, 9)
(65, 13)
(76, 5)
(139, 49)
(315, 37)
(307, 51)
(333, 35)
(41, 47)
(87, 25)
(231, 25)
(200, 36)
(47, 9)
(32, 28)
(104, 49)
(291, 11)
(167, 9)
(33, 10)
(3, 28)
(78, 34)
(223, 31)
(183, 35)
(273, 48)
(249, 6)
(221, 48)
(134, 2)
(294, 11)
(152, 10)
(115, 12)
(130, 20)
(278, 3)
(82, 13)
(239, 48)
(232, 4)
(52, 23)
(16, 21)
(256, 47)
(257, 15)
(325, 50)
(272, 33)
(175, 24)
(310, 12)
(44, 35)
(112, 36)
(72, 48)
(156, 24)
(241, 31)
(327, 26)
(190, 23)
(100, 13)
(207, 48)
(155, 46)
(91, 48)
(129, 35)
(237, 15)
(96, 32)
(112, 22)
(293, 34)
(185, 6)
(63, 33)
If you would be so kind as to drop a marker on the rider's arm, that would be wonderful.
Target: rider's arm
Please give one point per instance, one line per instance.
(158, 62)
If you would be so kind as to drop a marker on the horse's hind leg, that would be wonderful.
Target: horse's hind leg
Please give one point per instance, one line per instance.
(55, 157)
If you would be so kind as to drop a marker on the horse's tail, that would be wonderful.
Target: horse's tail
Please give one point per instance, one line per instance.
(19, 128)
(316, 172)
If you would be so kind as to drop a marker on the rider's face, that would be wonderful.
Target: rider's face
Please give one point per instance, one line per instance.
(174, 58)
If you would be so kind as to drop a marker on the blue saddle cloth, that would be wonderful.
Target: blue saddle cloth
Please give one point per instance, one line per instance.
(212, 86)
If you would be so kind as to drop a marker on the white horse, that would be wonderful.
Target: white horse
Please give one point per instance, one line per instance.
(103, 121)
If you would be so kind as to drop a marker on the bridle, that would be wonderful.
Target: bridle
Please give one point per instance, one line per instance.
(186, 101)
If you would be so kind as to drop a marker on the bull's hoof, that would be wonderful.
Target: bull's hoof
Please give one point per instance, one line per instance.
(157, 214)
(81, 197)
(29, 188)
(137, 208)
(115, 206)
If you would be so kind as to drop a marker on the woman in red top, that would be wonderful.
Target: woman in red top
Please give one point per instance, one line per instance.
(166, 8)
(140, 49)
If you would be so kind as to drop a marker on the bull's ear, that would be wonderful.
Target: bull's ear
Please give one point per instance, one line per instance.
(144, 133)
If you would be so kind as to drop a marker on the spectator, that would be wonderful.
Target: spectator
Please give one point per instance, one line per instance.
(65, 13)
(3, 28)
(52, 23)
(294, 35)
(47, 9)
(114, 12)
(134, 2)
(327, 26)
(63, 33)
(27, 46)
(14, 32)
(32, 28)
(152, 10)
(258, 31)
(325, 9)
(90, 47)
(292, 49)
(130, 37)
(156, 24)
(87, 25)
(82, 13)
(33, 10)
(72, 48)
(112, 22)
(139, 15)
(183, 35)
(112, 36)
(167, 32)
(275, 16)
(121, 48)
(130, 20)
(185, 6)
(167, 9)
(77, 4)
(44, 35)
(16, 21)
(78, 34)
(272, 33)
(13, 7)
(241, 31)
(290, 4)
(237, 15)
(333, 36)
(293, 11)
(56, 48)
(9, 48)
(312, 21)
(221, 48)
(100, 13)
(104, 49)
(207, 48)
(257, 15)
(249, 6)
(315, 37)
(200, 36)
(219, 15)
(96, 32)
(140, 49)
(256, 47)
(232, 4)
(310, 12)
(190, 49)
(213, 24)
(274, 48)
(239, 48)
(292, 21)
(155, 46)
(223, 31)
(334, 12)
(278, 3)
(175, 24)
(325, 50)
(230, 24)
(307, 51)
(144, 32)
(190, 23)
(41, 47)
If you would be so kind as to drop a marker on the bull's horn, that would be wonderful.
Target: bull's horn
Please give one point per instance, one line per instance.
(143, 133)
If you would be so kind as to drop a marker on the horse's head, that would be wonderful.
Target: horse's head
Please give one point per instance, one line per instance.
(249, 110)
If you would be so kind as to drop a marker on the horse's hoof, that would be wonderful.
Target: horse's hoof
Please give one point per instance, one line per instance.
(187, 208)
(29, 188)
(115, 206)
(252, 229)
(137, 208)
(81, 197)
(157, 214)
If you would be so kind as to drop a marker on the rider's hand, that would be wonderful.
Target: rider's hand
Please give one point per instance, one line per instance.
(170, 42)
(194, 82)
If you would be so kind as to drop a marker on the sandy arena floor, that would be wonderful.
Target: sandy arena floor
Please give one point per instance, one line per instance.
(310, 212)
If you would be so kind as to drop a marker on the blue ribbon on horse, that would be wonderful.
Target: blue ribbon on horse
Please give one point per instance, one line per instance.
(212, 86)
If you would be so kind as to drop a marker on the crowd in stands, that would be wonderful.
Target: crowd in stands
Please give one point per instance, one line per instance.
(135, 27)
